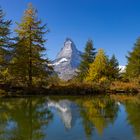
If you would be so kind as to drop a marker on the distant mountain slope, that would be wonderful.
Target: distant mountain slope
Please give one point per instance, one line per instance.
(122, 69)
(67, 60)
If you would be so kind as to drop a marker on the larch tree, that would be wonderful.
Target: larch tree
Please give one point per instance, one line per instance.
(4, 45)
(87, 58)
(98, 69)
(29, 63)
(133, 66)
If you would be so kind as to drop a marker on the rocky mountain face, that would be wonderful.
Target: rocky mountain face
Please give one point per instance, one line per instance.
(67, 60)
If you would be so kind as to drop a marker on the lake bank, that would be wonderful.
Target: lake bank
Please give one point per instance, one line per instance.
(12, 91)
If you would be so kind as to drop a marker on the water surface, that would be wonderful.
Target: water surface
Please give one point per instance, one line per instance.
(69, 118)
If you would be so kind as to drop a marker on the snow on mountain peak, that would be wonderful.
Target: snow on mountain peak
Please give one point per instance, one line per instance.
(62, 60)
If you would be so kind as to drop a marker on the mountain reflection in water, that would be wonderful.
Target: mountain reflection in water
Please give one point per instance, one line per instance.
(68, 118)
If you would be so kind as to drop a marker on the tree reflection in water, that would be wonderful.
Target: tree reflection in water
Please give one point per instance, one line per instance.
(95, 112)
(89, 117)
(133, 116)
(98, 113)
(23, 119)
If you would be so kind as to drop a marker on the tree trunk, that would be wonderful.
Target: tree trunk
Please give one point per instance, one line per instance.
(30, 59)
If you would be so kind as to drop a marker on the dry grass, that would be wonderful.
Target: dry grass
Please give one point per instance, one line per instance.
(125, 86)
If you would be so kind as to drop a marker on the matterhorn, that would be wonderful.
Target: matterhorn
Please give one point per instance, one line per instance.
(67, 60)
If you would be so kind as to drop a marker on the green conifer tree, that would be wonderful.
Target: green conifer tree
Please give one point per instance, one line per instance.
(29, 64)
(4, 45)
(113, 68)
(133, 66)
(87, 58)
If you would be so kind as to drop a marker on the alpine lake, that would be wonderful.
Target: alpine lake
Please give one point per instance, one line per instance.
(70, 118)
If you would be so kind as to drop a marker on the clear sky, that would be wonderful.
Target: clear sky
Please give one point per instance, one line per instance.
(114, 25)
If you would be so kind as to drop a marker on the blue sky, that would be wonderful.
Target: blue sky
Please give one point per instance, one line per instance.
(114, 25)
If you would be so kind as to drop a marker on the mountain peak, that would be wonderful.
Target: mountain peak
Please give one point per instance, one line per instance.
(67, 60)
(67, 50)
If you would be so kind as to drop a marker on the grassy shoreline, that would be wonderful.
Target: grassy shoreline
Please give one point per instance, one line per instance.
(70, 89)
